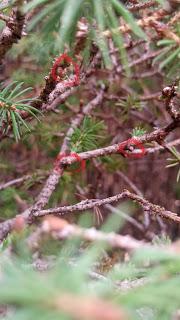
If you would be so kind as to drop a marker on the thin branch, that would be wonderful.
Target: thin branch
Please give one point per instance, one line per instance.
(126, 217)
(13, 182)
(141, 6)
(58, 101)
(156, 210)
(139, 226)
(130, 183)
(152, 208)
(91, 203)
(157, 135)
(162, 148)
(81, 206)
(35, 176)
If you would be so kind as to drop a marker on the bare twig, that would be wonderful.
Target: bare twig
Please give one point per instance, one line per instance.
(13, 182)
(155, 209)
(130, 183)
(7, 226)
(91, 203)
(162, 148)
(34, 176)
(141, 6)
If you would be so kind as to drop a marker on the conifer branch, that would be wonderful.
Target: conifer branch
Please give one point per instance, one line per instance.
(55, 175)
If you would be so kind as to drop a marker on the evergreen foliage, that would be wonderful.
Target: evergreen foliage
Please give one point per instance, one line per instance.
(10, 106)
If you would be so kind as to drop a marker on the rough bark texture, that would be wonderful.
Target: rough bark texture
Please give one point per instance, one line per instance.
(12, 33)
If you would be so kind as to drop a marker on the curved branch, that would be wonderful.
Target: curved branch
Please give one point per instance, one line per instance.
(157, 135)
(92, 203)
(156, 210)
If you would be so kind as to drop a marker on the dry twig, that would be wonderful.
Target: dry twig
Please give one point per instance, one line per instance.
(91, 203)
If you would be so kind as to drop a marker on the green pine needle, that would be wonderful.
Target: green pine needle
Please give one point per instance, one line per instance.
(87, 137)
(10, 108)
(138, 131)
